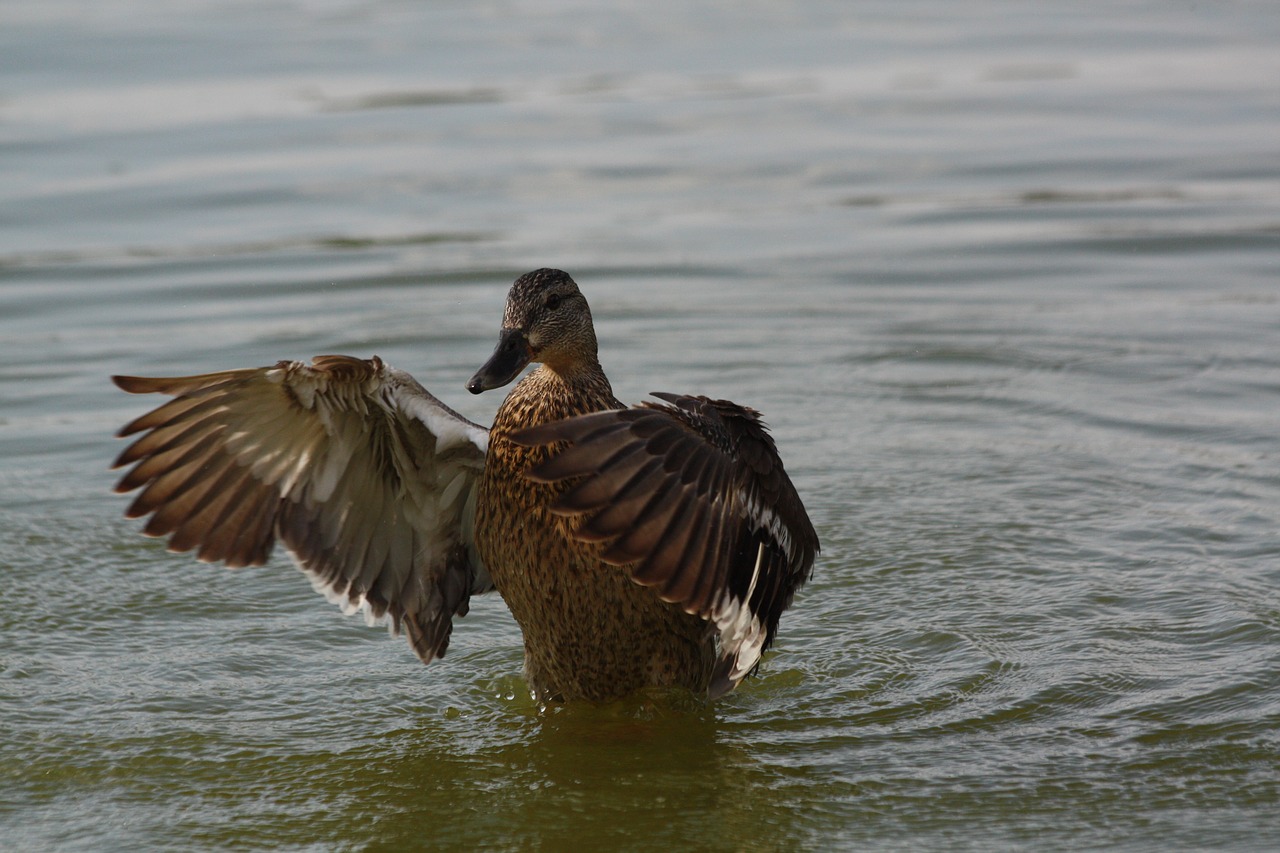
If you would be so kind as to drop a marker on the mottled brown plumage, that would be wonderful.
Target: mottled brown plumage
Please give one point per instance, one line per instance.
(650, 546)
(692, 499)
(590, 632)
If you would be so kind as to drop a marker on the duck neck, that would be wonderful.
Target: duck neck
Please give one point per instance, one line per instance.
(578, 384)
(548, 394)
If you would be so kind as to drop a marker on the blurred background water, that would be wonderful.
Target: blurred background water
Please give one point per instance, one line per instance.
(1003, 277)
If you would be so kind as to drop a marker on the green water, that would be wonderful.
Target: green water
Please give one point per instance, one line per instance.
(1003, 280)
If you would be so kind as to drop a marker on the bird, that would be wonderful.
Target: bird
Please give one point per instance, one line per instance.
(646, 546)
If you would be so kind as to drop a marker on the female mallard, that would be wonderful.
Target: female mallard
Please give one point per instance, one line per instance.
(649, 546)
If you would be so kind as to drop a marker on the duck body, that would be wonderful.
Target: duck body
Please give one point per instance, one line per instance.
(647, 546)
(590, 632)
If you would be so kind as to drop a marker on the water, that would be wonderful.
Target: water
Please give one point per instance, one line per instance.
(1002, 277)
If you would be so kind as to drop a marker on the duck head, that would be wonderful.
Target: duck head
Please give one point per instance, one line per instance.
(546, 320)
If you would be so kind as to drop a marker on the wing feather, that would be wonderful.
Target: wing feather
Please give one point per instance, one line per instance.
(367, 479)
(692, 497)
(648, 528)
(616, 512)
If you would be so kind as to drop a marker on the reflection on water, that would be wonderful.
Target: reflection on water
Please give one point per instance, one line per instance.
(1001, 279)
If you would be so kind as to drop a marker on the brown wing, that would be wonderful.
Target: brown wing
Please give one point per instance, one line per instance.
(693, 498)
(368, 479)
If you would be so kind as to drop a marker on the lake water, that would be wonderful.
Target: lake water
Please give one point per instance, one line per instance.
(1003, 277)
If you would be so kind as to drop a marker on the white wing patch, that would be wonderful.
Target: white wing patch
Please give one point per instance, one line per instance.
(742, 634)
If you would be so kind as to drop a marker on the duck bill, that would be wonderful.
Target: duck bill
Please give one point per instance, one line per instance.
(511, 356)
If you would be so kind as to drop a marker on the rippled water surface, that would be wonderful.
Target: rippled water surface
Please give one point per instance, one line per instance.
(1003, 277)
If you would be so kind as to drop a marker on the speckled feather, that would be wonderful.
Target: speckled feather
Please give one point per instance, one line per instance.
(590, 631)
(691, 498)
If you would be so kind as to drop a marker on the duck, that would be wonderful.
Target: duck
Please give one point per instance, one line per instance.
(647, 546)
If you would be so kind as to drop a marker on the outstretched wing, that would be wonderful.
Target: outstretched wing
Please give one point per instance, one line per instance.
(693, 498)
(368, 479)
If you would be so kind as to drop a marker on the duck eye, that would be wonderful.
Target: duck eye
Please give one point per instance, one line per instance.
(553, 301)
